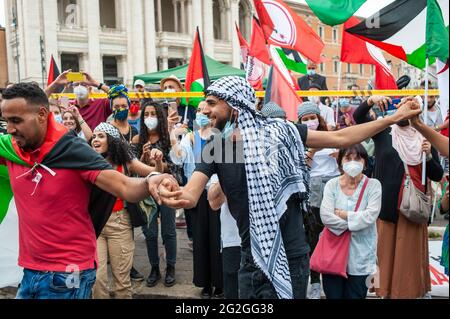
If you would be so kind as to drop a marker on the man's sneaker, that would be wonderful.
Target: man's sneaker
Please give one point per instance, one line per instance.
(136, 276)
(218, 294)
(316, 292)
(169, 281)
(154, 277)
(206, 293)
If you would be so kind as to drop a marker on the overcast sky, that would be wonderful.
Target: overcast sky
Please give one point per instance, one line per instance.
(370, 7)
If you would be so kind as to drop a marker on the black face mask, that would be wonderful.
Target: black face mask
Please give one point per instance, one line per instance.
(403, 123)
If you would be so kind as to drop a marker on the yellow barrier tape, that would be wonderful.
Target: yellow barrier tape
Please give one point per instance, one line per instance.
(261, 94)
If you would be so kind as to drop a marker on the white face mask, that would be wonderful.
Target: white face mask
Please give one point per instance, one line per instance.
(170, 91)
(81, 92)
(312, 125)
(353, 168)
(151, 123)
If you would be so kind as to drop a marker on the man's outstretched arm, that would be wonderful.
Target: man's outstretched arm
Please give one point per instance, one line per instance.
(356, 134)
(187, 197)
(439, 141)
(133, 190)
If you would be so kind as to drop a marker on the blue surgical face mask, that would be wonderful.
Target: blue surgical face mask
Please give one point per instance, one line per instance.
(311, 72)
(58, 118)
(121, 115)
(202, 120)
(228, 130)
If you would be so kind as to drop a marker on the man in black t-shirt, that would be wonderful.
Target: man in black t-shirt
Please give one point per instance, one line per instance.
(225, 156)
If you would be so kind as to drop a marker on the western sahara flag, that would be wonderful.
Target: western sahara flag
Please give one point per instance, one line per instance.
(284, 28)
(407, 30)
(334, 12)
(197, 77)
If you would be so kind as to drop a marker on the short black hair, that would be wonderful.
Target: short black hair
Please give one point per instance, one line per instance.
(357, 149)
(31, 92)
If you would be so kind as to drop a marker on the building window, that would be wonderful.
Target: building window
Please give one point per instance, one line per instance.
(321, 32)
(174, 63)
(349, 68)
(68, 13)
(108, 14)
(372, 70)
(110, 70)
(361, 69)
(245, 13)
(336, 66)
(335, 35)
(322, 67)
(70, 61)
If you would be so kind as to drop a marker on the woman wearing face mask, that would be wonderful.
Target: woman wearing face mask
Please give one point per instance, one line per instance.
(155, 135)
(352, 202)
(323, 168)
(205, 221)
(56, 110)
(72, 119)
(402, 244)
(120, 105)
(116, 242)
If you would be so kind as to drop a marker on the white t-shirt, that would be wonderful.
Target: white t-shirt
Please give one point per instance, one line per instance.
(229, 229)
(325, 165)
(328, 114)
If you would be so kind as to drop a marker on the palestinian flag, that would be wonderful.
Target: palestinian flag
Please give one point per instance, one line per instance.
(409, 30)
(284, 28)
(197, 77)
(53, 72)
(10, 273)
(258, 58)
(334, 12)
(355, 50)
(293, 60)
(61, 150)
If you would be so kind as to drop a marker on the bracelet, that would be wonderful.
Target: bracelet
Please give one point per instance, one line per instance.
(82, 122)
(100, 86)
(151, 175)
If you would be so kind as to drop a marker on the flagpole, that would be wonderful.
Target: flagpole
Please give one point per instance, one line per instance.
(425, 116)
(339, 88)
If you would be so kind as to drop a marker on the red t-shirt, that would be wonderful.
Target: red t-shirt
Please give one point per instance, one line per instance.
(56, 230)
(96, 112)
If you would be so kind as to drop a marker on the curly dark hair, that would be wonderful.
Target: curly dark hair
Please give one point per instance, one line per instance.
(119, 152)
(163, 130)
(31, 92)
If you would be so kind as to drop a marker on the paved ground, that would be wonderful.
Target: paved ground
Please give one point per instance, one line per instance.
(184, 288)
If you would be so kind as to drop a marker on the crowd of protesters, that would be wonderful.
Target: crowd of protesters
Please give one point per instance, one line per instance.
(257, 190)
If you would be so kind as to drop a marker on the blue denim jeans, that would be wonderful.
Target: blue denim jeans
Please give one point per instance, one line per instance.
(253, 283)
(168, 234)
(56, 285)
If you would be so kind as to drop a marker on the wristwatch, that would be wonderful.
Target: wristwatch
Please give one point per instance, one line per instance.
(100, 86)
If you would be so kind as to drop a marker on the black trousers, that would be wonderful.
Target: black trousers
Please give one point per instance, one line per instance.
(314, 232)
(337, 287)
(207, 257)
(231, 264)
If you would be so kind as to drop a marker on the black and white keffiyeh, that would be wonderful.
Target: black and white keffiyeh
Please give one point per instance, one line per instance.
(276, 169)
(108, 129)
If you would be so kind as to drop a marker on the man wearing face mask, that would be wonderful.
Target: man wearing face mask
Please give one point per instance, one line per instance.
(264, 175)
(173, 85)
(434, 118)
(93, 111)
(306, 82)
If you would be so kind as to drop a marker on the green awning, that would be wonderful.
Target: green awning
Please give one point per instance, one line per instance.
(216, 71)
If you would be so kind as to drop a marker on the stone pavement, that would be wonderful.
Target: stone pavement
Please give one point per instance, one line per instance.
(184, 289)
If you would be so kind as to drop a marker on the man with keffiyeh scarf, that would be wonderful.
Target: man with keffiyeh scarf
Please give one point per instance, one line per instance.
(266, 184)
